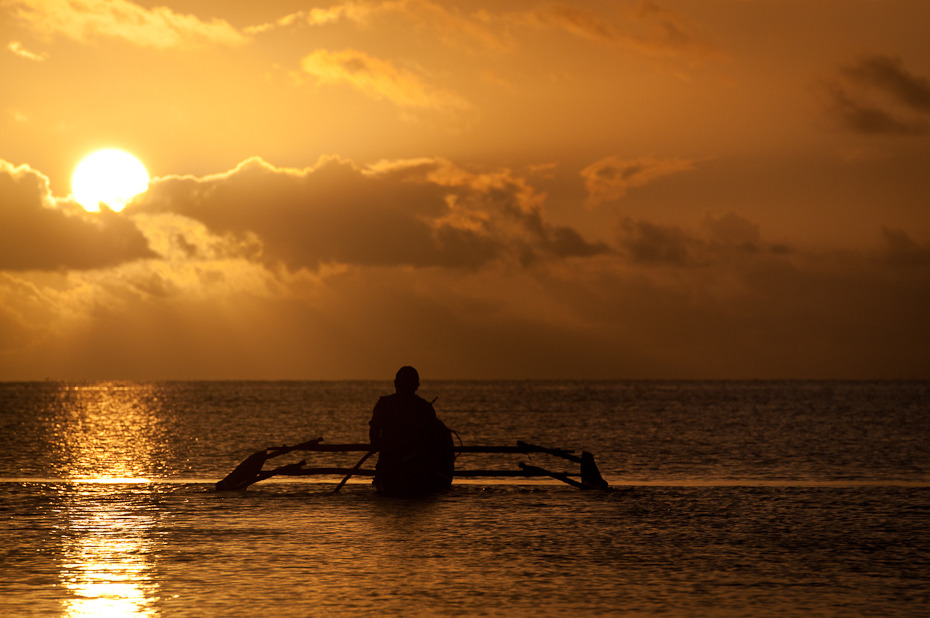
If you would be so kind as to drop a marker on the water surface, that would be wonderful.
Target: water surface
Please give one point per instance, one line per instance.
(743, 498)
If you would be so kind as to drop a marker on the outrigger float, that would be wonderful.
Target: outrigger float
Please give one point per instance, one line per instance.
(251, 469)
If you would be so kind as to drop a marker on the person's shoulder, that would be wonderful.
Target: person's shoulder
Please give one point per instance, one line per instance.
(423, 403)
(383, 402)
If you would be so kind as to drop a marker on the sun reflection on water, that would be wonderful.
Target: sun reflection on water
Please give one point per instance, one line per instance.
(107, 565)
(109, 431)
(110, 438)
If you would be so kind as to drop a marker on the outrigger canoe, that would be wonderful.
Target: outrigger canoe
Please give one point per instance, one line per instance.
(251, 469)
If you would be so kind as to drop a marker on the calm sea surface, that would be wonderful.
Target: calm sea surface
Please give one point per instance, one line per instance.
(729, 498)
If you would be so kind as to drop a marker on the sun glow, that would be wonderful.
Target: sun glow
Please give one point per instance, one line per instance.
(111, 177)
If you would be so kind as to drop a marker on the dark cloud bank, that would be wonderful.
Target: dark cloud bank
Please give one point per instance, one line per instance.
(423, 214)
(38, 234)
(466, 262)
(878, 95)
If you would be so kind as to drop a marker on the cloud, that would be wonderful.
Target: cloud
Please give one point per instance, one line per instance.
(731, 229)
(610, 178)
(376, 78)
(421, 213)
(454, 270)
(23, 311)
(17, 48)
(720, 239)
(354, 11)
(40, 233)
(449, 25)
(887, 73)
(877, 95)
(579, 22)
(651, 243)
(339, 270)
(902, 250)
(86, 20)
(712, 302)
(669, 32)
(645, 27)
(861, 117)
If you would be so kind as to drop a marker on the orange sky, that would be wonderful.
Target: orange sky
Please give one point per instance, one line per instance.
(642, 189)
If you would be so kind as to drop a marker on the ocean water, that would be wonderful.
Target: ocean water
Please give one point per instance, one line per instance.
(728, 498)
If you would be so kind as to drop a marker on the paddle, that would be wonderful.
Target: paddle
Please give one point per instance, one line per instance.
(590, 475)
(354, 469)
(249, 471)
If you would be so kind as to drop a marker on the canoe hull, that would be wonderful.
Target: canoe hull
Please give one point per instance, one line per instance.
(414, 474)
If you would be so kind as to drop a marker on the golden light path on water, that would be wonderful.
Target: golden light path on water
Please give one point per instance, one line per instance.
(107, 440)
(107, 564)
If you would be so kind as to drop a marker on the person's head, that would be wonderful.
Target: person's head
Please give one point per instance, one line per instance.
(407, 380)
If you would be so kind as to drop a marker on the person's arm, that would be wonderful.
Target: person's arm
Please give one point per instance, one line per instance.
(374, 426)
(374, 434)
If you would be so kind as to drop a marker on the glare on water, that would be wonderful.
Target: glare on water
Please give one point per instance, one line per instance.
(105, 435)
(106, 432)
(107, 557)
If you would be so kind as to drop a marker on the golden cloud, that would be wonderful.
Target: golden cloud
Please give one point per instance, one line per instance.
(644, 27)
(17, 48)
(253, 271)
(158, 27)
(448, 24)
(353, 11)
(376, 78)
(422, 213)
(610, 178)
(38, 232)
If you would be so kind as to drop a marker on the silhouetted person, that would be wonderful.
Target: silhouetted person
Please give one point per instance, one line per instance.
(415, 447)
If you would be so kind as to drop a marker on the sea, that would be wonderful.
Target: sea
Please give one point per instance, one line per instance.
(745, 498)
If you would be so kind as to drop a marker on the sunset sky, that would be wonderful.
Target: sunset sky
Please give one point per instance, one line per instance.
(603, 189)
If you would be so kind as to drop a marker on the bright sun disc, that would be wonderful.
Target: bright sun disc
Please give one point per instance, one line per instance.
(112, 177)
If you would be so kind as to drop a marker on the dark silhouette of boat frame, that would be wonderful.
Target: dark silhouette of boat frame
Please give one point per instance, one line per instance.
(251, 469)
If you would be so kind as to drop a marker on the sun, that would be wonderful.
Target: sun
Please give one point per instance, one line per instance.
(111, 177)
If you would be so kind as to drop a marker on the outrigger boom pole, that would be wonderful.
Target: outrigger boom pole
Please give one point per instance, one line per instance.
(250, 470)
